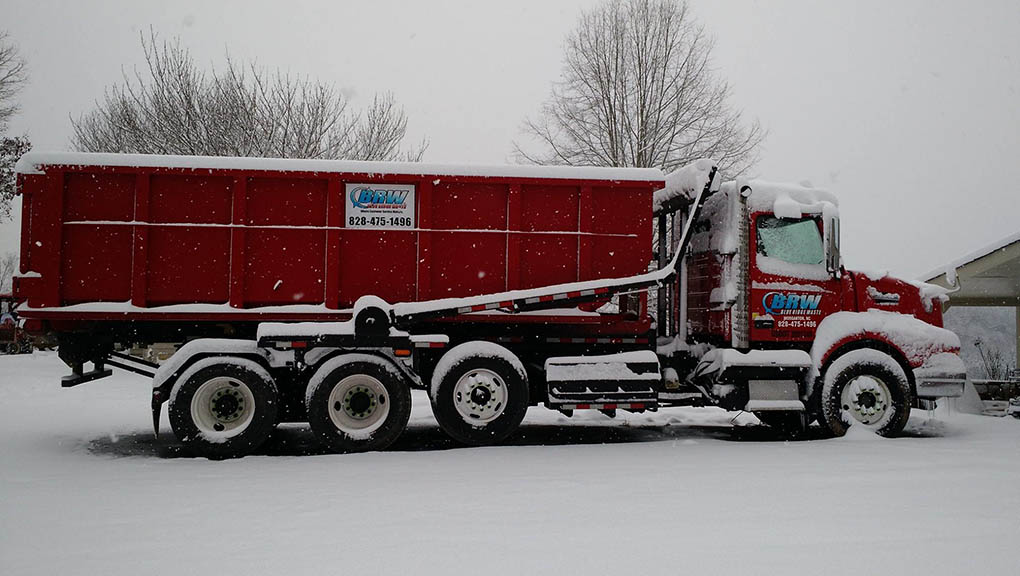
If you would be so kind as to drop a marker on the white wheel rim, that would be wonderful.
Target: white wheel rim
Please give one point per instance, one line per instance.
(866, 399)
(480, 396)
(222, 407)
(358, 404)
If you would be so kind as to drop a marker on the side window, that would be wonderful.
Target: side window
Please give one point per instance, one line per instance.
(793, 241)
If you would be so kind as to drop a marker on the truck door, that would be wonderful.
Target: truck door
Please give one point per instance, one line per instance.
(791, 288)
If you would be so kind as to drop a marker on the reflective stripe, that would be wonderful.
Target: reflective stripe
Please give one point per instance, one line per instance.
(625, 406)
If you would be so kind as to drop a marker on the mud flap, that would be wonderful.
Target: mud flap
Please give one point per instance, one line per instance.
(157, 408)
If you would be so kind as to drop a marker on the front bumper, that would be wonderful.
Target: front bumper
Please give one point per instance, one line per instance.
(941, 376)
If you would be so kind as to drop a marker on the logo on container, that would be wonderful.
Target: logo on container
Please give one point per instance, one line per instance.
(367, 197)
(780, 302)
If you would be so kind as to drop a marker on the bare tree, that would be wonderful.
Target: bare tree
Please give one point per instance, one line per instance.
(997, 366)
(8, 267)
(11, 149)
(13, 77)
(176, 108)
(638, 89)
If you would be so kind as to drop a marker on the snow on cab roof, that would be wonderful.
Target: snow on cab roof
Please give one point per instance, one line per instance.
(34, 163)
(788, 200)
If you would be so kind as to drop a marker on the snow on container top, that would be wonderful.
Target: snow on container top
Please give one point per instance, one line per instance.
(35, 163)
(125, 235)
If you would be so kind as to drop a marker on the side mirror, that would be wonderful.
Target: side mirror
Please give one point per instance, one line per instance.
(831, 232)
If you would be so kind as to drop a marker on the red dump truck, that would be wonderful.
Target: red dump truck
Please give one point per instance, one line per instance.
(324, 291)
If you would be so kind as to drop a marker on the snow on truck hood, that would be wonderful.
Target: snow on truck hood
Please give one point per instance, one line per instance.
(929, 293)
(34, 163)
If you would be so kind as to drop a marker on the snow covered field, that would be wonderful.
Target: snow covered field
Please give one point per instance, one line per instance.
(85, 490)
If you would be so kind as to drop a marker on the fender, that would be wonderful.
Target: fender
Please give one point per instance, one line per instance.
(327, 354)
(912, 342)
(168, 373)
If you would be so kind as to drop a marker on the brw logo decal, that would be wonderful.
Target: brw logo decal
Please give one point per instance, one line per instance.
(784, 302)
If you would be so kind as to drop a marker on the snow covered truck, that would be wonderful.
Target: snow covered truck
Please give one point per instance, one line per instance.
(323, 292)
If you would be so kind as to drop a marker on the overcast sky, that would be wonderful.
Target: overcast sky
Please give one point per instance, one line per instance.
(908, 111)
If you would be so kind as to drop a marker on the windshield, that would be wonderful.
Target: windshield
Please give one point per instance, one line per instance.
(794, 241)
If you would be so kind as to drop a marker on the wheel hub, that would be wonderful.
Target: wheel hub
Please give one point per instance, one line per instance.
(227, 405)
(222, 405)
(358, 403)
(866, 399)
(480, 396)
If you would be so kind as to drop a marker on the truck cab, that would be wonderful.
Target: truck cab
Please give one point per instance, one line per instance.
(764, 273)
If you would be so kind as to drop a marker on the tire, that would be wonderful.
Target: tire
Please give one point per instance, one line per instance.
(479, 393)
(358, 403)
(865, 387)
(223, 407)
(786, 424)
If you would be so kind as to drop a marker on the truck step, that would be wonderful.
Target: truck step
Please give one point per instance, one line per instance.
(724, 364)
(768, 405)
(628, 381)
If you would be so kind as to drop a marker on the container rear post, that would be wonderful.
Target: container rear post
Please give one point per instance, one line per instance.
(21, 188)
(47, 229)
(662, 309)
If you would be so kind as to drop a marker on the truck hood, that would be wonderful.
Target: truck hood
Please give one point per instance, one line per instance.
(880, 291)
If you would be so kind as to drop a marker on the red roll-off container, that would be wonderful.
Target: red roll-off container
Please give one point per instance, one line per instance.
(131, 237)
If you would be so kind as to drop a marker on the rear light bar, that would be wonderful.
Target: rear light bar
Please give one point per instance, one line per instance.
(430, 344)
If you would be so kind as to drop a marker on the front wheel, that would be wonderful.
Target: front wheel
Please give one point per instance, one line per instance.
(224, 407)
(868, 388)
(479, 393)
(358, 403)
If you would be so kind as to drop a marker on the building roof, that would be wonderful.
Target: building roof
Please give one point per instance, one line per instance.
(989, 276)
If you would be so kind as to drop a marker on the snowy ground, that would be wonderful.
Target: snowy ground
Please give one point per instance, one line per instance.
(85, 490)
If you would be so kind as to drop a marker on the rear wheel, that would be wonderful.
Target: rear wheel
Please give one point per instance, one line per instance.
(224, 407)
(479, 393)
(357, 403)
(865, 388)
